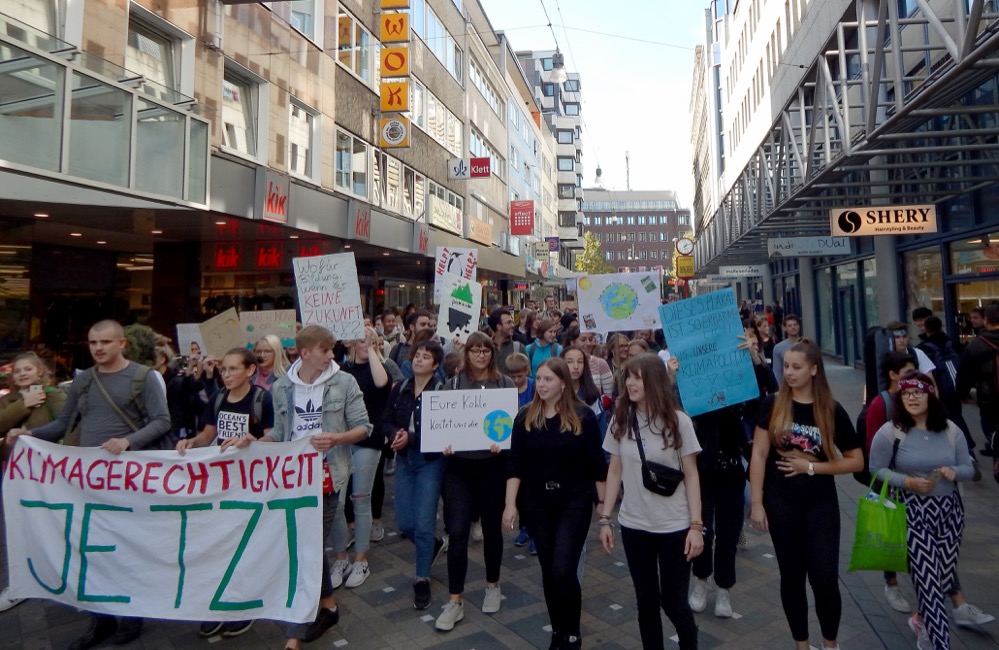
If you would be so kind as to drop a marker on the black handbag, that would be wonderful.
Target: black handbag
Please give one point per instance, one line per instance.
(656, 477)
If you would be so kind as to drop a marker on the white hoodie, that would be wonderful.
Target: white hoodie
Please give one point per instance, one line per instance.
(309, 400)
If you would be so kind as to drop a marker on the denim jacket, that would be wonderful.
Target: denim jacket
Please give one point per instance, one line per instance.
(343, 410)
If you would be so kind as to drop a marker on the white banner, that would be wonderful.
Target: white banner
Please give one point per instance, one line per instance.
(467, 420)
(618, 301)
(807, 246)
(461, 301)
(204, 537)
(463, 262)
(330, 295)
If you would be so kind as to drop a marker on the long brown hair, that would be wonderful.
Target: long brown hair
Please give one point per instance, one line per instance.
(480, 339)
(823, 403)
(659, 402)
(569, 420)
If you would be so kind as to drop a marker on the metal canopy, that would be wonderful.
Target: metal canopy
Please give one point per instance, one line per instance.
(894, 110)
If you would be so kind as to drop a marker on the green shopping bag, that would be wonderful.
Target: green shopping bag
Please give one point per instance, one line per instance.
(879, 543)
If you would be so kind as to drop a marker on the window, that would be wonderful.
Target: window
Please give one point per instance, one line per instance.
(631, 237)
(514, 116)
(546, 64)
(609, 255)
(567, 219)
(566, 191)
(302, 134)
(566, 164)
(241, 102)
(445, 195)
(479, 148)
(430, 114)
(429, 27)
(488, 92)
(303, 15)
(642, 237)
(630, 220)
(151, 54)
(683, 219)
(621, 236)
(598, 221)
(357, 49)
(352, 163)
(571, 85)
(571, 108)
(565, 136)
(548, 89)
(641, 220)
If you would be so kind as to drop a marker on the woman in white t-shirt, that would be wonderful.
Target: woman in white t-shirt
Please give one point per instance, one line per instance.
(661, 534)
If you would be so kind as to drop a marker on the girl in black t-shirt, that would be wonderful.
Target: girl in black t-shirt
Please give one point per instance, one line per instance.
(803, 437)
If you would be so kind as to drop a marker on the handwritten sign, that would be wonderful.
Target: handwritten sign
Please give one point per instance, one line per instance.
(329, 294)
(702, 332)
(463, 262)
(467, 420)
(222, 537)
(461, 301)
(189, 342)
(618, 301)
(807, 246)
(279, 322)
(222, 333)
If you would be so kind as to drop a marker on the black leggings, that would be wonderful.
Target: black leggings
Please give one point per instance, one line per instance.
(559, 527)
(804, 527)
(474, 489)
(723, 504)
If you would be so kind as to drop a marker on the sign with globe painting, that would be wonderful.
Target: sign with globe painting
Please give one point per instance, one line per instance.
(467, 420)
(619, 301)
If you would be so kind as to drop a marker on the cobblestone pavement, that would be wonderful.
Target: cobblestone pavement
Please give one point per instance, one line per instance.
(380, 614)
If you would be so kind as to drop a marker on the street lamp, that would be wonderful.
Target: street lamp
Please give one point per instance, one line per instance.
(558, 74)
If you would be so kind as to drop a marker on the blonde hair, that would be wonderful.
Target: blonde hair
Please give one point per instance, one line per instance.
(569, 420)
(281, 362)
(823, 403)
(37, 362)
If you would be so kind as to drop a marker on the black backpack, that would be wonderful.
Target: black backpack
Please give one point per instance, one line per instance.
(947, 362)
(864, 476)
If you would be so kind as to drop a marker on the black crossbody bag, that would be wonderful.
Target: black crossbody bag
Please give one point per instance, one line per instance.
(656, 477)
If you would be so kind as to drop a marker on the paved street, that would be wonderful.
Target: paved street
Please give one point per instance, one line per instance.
(379, 614)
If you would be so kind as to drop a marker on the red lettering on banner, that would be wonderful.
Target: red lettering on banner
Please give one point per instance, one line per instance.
(272, 466)
(308, 465)
(76, 473)
(197, 479)
(98, 485)
(112, 477)
(166, 480)
(150, 476)
(14, 465)
(31, 466)
(133, 470)
(224, 466)
(287, 473)
(469, 266)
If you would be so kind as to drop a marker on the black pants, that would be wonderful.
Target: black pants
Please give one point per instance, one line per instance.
(559, 525)
(952, 404)
(804, 527)
(474, 489)
(723, 503)
(297, 630)
(661, 575)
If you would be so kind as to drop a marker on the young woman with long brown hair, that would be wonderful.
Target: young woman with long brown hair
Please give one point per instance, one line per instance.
(803, 438)
(661, 534)
(555, 466)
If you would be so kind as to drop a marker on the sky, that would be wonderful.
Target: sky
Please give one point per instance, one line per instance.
(635, 67)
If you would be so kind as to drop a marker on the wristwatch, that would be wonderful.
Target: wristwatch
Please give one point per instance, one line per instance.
(811, 469)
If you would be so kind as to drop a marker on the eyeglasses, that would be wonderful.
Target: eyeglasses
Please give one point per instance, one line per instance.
(480, 352)
(912, 394)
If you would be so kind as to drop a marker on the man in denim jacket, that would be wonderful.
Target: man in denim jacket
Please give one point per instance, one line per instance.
(315, 399)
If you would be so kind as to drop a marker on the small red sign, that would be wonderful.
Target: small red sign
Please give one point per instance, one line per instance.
(521, 217)
(479, 168)
(311, 249)
(227, 256)
(270, 255)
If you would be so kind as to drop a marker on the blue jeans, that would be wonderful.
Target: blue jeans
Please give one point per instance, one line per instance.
(418, 480)
(361, 483)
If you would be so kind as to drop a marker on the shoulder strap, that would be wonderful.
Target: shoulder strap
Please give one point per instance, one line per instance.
(219, 398)
(107, 397)
(138, 384)
(988, 343)
(889, 405)
(258, 403)
(898, 435)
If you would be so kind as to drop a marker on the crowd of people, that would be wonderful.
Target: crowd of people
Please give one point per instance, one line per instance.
(601, 429)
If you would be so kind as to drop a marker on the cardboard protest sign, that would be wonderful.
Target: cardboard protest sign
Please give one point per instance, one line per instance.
(329, 294)
(462, 262)
(703, 333)
(279, 322)
(460, 301)
(467, 420)
(222, 333)
(203, 537)
(618, 301)
(189, 342)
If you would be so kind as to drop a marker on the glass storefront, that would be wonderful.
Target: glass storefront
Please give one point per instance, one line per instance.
(870, 271)
(826, 329)
(924, 279)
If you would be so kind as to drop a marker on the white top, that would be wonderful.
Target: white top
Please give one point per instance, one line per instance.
(640, 508)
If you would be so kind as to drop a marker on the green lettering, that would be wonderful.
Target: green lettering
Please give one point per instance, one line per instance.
(290, 506)
(87, 548)
(182, 544)
(68, 507)
(217, 603)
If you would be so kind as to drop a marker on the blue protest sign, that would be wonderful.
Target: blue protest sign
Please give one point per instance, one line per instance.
(703, 333)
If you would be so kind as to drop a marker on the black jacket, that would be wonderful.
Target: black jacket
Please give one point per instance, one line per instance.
(978, 368)
(403, 405)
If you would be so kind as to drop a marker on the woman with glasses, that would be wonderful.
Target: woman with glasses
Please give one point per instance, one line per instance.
(272, 364)
(803, 439)
(924, 454)
(474, 484)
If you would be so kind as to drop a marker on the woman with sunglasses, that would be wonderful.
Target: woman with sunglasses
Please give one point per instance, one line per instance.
(924, 454)
(474, 483)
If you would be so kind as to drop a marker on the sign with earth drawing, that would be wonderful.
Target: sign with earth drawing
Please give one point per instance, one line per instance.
(618, 301)
(467, 420)
(460, 301)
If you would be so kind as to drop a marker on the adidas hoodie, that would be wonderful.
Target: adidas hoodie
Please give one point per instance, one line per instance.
(309, 400)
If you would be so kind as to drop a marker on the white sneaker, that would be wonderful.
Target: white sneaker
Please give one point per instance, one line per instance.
(477, 531)
(896, 599)
(337, 571)
(377, 531)
(358, 574)
(6, 602)
(723, 604)
(453, 612)
(492, 600)
(967, 615)
(922, 638)
(699, 595)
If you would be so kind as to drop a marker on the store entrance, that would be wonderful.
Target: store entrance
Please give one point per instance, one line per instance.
(971, 294)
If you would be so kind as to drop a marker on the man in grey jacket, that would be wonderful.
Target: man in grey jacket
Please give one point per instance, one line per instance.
(102, 426)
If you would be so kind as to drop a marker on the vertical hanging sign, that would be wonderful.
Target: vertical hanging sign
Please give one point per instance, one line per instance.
(395, 89)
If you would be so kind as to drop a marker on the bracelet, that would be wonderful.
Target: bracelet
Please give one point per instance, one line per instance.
(609, 524)
(696, 522)
(697, 526)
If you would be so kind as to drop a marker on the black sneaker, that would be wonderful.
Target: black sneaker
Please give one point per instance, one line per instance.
(235, 628)
(421, 594)
(325, 619)
(102, 628)
(129, 629)
(210, 628)
(440, 548)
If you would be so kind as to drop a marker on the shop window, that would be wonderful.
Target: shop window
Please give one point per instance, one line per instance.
(824, 309)
(303, 131)
(352, 163)
(923, 279)
(978, 254)
(100, 130)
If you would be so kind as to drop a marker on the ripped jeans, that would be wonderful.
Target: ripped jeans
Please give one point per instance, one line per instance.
(361, 483)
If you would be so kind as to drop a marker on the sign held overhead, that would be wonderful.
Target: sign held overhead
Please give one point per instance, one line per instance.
(882, 220)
